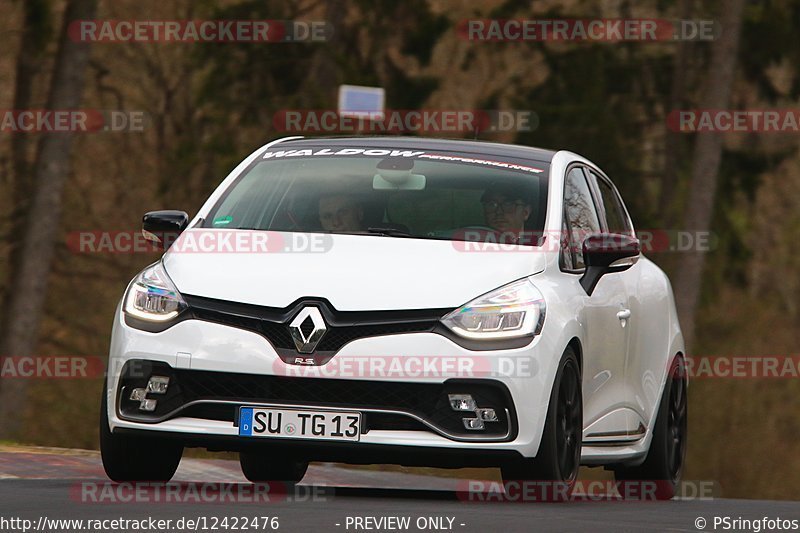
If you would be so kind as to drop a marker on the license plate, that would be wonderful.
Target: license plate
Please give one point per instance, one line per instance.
(295, 423)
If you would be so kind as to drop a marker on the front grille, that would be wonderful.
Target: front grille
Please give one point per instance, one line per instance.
(343, 326)
(277, 334)
(211, 411)
(336, 337)
(427, 401)
(392, 422)
(414, 397)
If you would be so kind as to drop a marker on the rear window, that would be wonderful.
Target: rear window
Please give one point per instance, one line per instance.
(416, 194)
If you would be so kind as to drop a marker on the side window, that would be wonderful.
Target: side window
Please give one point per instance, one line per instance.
(580, 213)
(616, 218)
(566, 257)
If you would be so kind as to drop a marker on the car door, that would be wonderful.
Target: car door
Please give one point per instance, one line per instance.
(641, 341)
(605, 341)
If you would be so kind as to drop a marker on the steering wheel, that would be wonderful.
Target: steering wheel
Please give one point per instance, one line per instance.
(484, 228)
(456, 231)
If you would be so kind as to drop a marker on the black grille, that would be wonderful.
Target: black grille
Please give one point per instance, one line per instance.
(336, 337)
(212, 411)
(277, 334)
(388, 421)
(414, 397)
(343, 326)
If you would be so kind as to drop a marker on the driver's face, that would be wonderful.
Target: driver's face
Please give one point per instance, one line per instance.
(340, 213)
(505, 214)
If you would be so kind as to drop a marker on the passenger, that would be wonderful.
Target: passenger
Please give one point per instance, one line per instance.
(341, 213)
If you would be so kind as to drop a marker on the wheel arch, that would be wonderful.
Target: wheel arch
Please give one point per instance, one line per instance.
(575, 344)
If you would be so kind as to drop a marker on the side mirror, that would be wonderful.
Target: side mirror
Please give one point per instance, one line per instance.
(163, 227)
(604, 253)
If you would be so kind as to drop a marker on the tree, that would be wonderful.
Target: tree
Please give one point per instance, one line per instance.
(705, 164)
(673, 147)
(29, 280)
(35, 34)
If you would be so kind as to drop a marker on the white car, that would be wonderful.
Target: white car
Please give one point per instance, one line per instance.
(400, 300)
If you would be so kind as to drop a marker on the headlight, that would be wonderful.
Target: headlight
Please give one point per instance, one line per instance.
(515, 310)
(153, 296)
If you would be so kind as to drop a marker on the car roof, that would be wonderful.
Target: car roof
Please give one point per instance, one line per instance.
(426, 143)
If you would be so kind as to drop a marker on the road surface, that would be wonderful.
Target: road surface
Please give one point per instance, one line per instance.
(39, 486)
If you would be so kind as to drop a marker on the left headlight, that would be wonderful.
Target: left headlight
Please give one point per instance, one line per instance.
(514, 310)
(153, 297)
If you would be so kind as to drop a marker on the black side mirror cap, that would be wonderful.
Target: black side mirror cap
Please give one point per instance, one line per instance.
(604, 253)
(163, 227)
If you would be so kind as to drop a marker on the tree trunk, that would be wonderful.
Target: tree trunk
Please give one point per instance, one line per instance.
(705, 165)
(28, 287)
(672, 141)
(35, 33)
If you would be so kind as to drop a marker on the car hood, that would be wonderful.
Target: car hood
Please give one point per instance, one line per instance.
(353, 272)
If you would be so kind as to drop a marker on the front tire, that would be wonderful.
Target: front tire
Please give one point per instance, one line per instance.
(259, 467)
(128, 458)
(660, 474)
(558, 460)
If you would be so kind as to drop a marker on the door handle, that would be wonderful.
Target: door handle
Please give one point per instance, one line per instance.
(624, 314)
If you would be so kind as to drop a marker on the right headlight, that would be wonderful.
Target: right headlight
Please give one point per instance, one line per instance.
(514, 310)
(153, 297)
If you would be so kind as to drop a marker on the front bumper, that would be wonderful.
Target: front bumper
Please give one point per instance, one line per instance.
(218, 368)
(386, 405)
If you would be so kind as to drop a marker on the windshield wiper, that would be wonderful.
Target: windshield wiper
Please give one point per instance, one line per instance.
(389, 232)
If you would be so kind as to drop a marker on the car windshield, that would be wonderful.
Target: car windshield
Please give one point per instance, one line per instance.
(402, 193)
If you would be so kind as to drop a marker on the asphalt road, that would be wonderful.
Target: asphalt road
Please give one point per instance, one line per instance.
(44, 485)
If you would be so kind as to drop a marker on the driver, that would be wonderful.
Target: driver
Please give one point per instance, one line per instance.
(506, 209)
(340, 212)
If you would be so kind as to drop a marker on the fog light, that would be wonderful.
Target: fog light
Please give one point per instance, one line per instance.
(158, 384)
(473, 423)
(487, 415)
(147, 405)
(462, 402)
(138, 395)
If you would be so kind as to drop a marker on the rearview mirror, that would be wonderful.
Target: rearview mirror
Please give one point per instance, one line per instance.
(410, 182)
(605, 253)
(163, 227)
(396, 174)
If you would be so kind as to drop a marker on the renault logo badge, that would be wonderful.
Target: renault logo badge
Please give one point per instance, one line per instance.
(307, 329)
